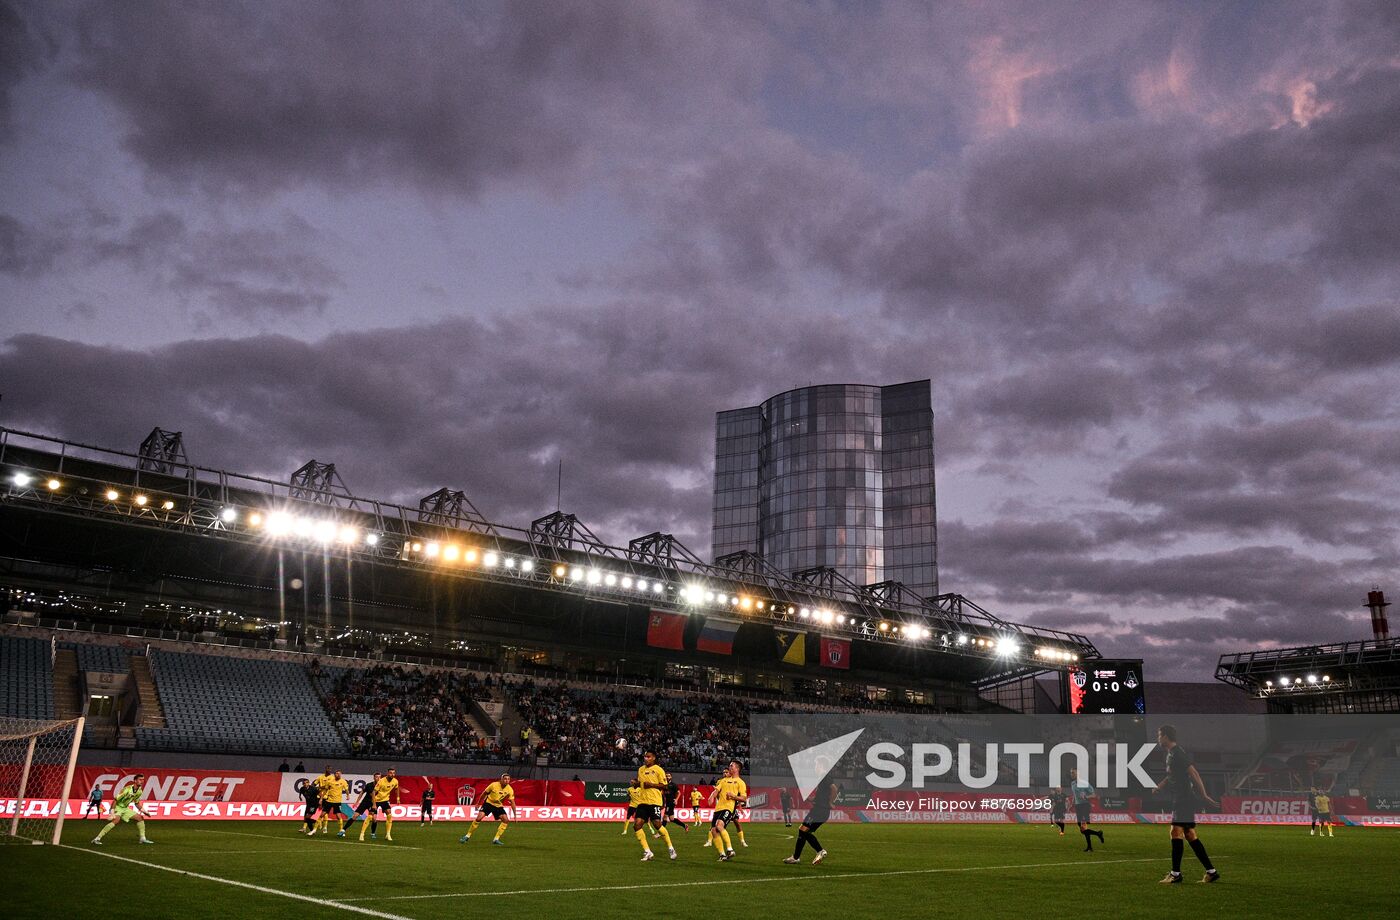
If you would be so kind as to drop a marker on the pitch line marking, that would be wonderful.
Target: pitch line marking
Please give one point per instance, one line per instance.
(357, 841)
(237, 884)
(743, 881)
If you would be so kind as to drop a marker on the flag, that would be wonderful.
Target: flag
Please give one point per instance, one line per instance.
(836, 653)
(718, 636)
(666, 630)
(792, 646)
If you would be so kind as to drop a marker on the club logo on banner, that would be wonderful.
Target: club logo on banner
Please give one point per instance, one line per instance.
(836, 653)
(792, 646)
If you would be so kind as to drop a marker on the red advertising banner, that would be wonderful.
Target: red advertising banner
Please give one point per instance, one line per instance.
(1280, 806)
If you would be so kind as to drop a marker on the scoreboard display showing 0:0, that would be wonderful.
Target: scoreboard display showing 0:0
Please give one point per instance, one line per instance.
(1106, 687)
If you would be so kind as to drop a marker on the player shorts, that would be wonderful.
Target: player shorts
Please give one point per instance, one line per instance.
(631, 810)
(494, 811)
(1083, 812)
(364, 806)
(811, 822)
(1324, 816)
(723, 816)
(649, 812)
(311, 809)
(126, 814)
(384, 807)
(1057, 816)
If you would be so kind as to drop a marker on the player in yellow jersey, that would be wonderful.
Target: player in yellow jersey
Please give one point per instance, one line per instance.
(323, 783)
(634, 794)
(1324, 813)
(333, 800)
(651, 779)
(384, 787)
(734, 824)
(494, 801)
(730, 794)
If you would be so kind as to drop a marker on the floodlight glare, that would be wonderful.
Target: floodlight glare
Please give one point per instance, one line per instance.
(167, 505)
(490, 560)
(54, 485)
(113, 495)
(372, 539)
(642, 584)
(560, 571)
(324, 531)
(610, 580)
(450, 553)
(277, 524)
(626, 581)
(657, 587)
(255, 520)
(576, 574)
(349, 534)
(22, 479)
(510, 563)
(594, 576)
(431, 550)
(228, 514)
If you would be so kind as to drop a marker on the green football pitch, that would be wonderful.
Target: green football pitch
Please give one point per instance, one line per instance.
(265, 869)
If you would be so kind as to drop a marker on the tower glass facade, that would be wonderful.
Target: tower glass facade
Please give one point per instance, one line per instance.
(836, 475)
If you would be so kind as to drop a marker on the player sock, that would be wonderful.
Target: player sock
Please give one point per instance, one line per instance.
(501, 829)
(741, 837)
(642, 839)
(801, 842)
(389, 827)
(472, 830)
(666, 836)
(1200, 850)
(1088, 839)
(1099, 834)
(103, 833)
(724, 836)
(1178, 848)
(1061, 826)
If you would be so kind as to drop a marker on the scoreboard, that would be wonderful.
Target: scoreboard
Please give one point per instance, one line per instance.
(1106, 687)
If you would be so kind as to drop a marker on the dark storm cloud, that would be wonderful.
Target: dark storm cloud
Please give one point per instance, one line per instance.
(623, 398)
(24, 251)
(446, 96)
(25, 47)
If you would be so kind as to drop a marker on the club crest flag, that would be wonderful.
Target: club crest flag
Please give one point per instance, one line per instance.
(836, 653)
(666, 630)
(792, 646)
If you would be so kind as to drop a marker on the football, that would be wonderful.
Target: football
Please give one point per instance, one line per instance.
(621, 744)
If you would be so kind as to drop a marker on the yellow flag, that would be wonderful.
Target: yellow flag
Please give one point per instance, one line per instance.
(792, 646)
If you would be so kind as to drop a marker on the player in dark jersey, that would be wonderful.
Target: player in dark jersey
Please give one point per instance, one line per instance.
(366, 803)
(668, 804)
(425, 806)
(785, 799)
(1312, 810)
(1058, 803)
(311, 795)
(1083, 795)
(819, 814)
(1182, 785)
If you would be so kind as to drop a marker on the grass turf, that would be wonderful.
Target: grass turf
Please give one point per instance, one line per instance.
(591, 870)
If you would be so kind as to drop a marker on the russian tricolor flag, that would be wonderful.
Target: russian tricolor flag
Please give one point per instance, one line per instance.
(718, 636)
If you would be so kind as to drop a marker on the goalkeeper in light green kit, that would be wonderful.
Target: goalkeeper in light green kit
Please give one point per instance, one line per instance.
(126, 806)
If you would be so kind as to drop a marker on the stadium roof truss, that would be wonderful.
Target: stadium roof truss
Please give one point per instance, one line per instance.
(1314, 670)
(557, 553)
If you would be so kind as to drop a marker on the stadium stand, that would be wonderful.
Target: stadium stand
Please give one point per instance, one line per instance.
(402, 712)
(106, 658)
(26, 688)
(215, 703)
(580, 727)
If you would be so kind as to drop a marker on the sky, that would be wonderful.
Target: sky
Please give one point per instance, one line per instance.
(1147, 253)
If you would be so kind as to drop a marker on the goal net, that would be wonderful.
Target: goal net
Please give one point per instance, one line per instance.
(37, 759)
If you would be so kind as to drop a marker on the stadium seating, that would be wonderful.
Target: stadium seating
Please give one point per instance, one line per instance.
(227, 704)
(26, 678)
(402, 712)
(100, 657)
(580, 727)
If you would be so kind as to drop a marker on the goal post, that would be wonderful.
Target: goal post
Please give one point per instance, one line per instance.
(38, 758)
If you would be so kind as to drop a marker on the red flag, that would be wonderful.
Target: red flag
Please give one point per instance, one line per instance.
(666, 630)
(836, 653)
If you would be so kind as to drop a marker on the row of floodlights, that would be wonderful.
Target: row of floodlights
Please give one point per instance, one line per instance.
(1298, 683)
(140, 500)
(282, 524)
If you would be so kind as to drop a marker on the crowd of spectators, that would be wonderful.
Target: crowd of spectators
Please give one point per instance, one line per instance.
(580, 726)
(400, 712)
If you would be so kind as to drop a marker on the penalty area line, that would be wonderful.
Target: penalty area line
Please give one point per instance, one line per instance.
(747, 881)
(389, 846)
(323, 902)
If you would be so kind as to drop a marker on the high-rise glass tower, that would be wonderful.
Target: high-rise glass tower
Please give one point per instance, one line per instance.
(838, 475)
